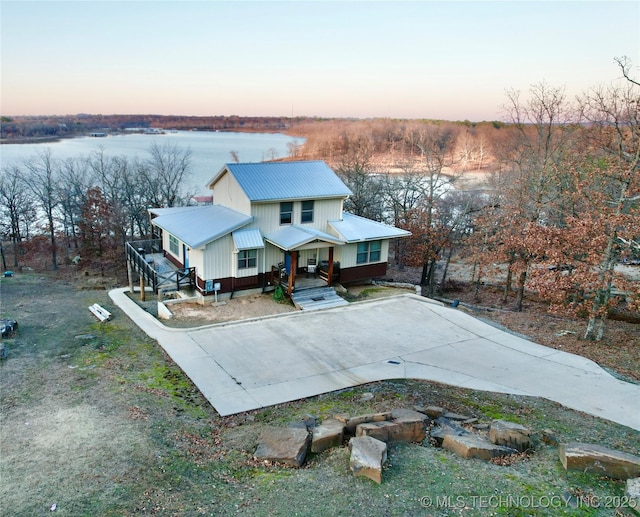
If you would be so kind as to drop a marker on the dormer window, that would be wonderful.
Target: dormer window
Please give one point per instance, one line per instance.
(306, 216)
(286, 212)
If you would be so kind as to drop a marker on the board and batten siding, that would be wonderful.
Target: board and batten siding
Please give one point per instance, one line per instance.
(218, 257)
(348, 254)
(196, 259)
(267, 215)
(166, 246)
(227, 192)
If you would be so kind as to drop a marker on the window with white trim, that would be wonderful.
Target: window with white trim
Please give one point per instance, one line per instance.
(174, 247)
(247, 258)
(369, 252)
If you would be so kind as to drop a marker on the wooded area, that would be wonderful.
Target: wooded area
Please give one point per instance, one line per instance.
(553, 206)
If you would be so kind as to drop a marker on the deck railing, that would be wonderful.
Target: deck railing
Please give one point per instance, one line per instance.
(139, 255)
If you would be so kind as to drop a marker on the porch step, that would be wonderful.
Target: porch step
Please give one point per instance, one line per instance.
(317, 298)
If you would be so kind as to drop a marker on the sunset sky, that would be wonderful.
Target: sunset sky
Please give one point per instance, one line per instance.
(439, 60)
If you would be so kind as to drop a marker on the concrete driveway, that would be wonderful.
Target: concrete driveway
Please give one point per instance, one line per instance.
(247, 365)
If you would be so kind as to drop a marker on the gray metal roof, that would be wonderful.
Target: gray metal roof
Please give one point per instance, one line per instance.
(353, 228)
(291, 237)
(276, 181)
(248, 239)
(172, 210)
(200, 224)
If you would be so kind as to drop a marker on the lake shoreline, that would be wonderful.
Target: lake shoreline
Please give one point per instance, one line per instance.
(58, 138)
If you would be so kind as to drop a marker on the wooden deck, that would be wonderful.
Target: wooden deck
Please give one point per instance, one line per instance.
(154, 269)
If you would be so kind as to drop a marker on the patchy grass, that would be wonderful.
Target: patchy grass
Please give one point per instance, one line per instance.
(108, 425)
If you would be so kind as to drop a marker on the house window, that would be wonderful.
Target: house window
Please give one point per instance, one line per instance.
(173, 246)
(369, 252)
(307, 212)
(247, 258)
(286, 212)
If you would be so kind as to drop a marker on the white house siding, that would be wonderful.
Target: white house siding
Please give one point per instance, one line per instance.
(196, 259)
(167, 247)
(227, 192)
(218, 259)
(267, 215)
(273, 257)
(348, 254)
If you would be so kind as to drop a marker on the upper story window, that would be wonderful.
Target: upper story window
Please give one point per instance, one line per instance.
(369, 252)
(173, 245)
(247, 258)
(286, 212)
(306, 216)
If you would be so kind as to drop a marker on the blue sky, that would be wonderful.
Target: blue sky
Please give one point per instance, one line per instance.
(420, 59)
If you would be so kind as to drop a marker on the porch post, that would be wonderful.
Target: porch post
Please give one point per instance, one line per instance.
(292, 271)
(330, 267)
(142, 294)
(130, 275)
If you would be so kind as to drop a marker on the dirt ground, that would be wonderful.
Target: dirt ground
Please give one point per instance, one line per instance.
(240, 307)
(188, 314)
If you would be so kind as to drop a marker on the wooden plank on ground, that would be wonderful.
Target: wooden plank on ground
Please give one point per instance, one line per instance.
(100, 312)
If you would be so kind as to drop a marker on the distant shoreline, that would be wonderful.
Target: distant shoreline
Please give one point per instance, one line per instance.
(35, 140)
(58, 138)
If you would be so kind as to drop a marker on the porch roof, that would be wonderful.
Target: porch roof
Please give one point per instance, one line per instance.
(353, 228)
(294, 236)
(200, 225)
(247, 239)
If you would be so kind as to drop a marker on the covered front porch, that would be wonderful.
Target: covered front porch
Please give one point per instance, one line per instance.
(308, 258)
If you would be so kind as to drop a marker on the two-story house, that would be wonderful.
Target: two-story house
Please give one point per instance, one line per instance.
(272, 221)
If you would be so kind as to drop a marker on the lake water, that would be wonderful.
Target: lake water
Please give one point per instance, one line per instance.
(210, 150)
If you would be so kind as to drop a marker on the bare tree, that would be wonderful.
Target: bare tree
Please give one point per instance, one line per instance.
(165, 172)
(17, 203)
(539, 144)
(43, 174)
(355, 170)
(74, 182)
(431, 168)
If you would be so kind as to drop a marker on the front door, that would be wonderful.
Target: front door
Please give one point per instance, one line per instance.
(287, 262)
(185, 254)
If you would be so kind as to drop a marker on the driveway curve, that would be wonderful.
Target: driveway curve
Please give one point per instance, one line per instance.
(249, 364)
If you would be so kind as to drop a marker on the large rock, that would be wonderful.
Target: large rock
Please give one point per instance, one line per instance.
(633, 493)
(432, 412)
(472, 446)
(329, 433)
(286, 445)
(352, 423)
(512, 435)
(406, 426)
(378, 430)
(600, 460)
(367, 457)
(456, 416)
(444, 428)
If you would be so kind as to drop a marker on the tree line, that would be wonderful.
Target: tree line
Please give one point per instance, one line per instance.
(561, 206)
(557, 212)
(93, 204)
(19, 128)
